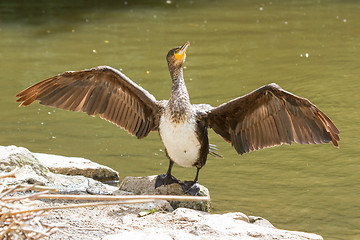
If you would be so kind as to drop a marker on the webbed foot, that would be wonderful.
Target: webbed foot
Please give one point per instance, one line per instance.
(190, 187)
(165, 179)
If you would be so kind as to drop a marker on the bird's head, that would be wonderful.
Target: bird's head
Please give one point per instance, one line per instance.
(176, 56)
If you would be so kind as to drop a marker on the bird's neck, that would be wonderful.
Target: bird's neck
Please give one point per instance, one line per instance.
(179, 101)
(178, 84)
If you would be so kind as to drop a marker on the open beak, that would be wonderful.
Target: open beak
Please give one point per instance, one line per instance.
(181, 54)
(184, 47)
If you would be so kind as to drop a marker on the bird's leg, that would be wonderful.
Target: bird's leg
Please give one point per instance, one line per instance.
(192, 187)
(166, 179)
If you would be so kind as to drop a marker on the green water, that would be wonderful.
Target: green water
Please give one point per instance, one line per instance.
(310, 48)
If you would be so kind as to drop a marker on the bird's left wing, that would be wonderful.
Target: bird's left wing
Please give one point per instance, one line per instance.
(271, 116)
(101, 90)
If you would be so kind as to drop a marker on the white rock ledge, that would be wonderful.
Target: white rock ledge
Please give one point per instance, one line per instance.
(77, 166)
(188, 224)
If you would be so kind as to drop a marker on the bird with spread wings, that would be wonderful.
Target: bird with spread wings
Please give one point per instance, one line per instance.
(266, 117)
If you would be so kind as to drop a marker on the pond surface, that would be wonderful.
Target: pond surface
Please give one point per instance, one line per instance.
(310, 48)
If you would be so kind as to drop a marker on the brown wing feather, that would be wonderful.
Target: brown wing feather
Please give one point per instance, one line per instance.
(271, 116)
(101, 90)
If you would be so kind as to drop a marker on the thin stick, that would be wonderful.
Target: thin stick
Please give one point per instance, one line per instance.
(79, 205)
(10, 174)
(10, 190)
(18, 198)
(25, 187)
(7, 230)
(127, 197)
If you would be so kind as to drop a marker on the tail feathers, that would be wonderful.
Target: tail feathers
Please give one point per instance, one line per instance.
(213, 151)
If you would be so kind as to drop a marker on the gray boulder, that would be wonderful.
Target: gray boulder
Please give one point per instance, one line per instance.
(146, 186)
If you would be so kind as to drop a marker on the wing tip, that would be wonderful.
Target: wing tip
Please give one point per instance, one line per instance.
(335, 139)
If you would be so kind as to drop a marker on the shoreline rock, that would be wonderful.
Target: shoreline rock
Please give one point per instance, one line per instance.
(32, 171)
(145, 186)
(77, 166)
(192, 224)
(155, 220)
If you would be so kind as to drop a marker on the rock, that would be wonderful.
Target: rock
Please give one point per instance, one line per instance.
(146, 186)
(182, 214)
(77, 166)
(260, 221)
(115, 222)
(78, 185)
(186, 223)
(41, 163)
(239, 216)
(31, 170)
(148, 208)
(153, 234)
(26, 174)
(12, 157)
(133, 221)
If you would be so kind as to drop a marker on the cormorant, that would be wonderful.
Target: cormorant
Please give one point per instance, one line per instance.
(268, 116)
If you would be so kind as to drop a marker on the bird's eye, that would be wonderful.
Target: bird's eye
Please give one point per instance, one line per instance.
(176, 51)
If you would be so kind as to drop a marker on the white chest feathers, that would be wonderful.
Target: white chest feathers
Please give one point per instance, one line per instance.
(180, 140)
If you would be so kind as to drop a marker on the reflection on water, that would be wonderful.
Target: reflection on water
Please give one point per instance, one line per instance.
(309, 48)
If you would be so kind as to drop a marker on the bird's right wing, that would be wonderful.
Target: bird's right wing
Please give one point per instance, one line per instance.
(101, 90)
(271, 116)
